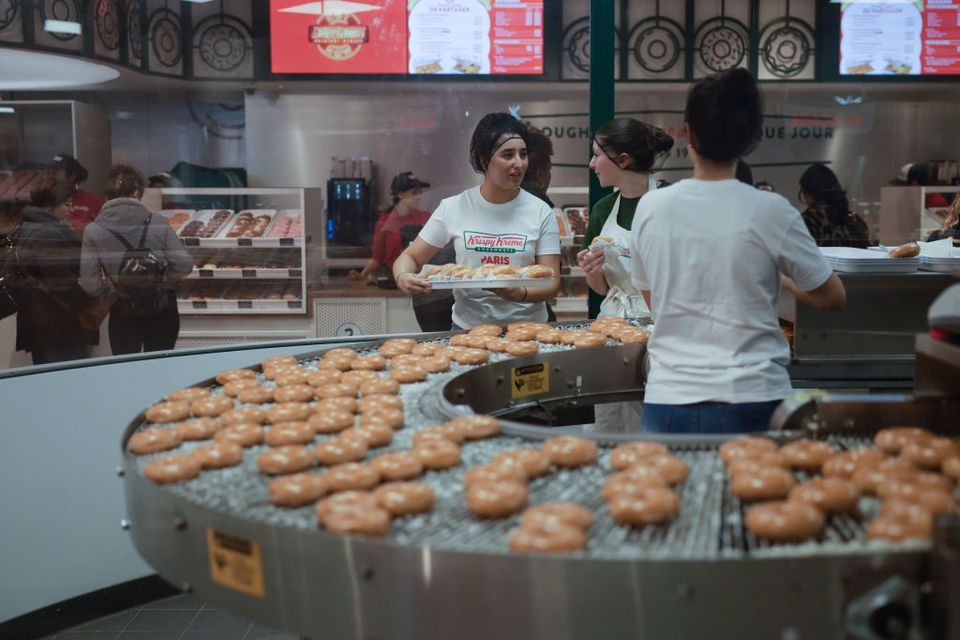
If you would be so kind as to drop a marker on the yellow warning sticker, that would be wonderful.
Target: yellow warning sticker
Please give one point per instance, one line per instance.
(235, 563)
(529, 380)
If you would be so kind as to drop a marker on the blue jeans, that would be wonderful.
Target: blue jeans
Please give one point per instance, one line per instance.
(707, 417)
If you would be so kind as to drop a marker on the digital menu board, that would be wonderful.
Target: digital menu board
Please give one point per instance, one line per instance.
(900, 38)
(468, 37)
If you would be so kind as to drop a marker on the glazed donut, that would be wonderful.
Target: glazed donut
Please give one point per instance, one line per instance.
(929, 453)
(338, 403)
(292, 376)
(289, 412)
(293, 393)
(232, 375)
(344, 500)
(498, 345)
(256, 395)
(763, 460)
(404, 498)
(171, 469)
(568, 337)
(337, 390)
(277, 361)
(472, 356)
(570, 451)
(427, 349)
(243, 415)
(339, 450)
(629, 453)
(627, 484)
(234, 387)
(375, 435)
(771, 483)
(636, 336)
(476, 427)
(460, 340)
(906, 250)
(784, 521)
(831, 495)
(497, 499)
(286, 433)
(550, 536)
(450, 433)
(537, 271)
(168, 412)
(568, 513)
(392, 418)
(746, 447)
(297, 490)
(408, 375)
(869, 476)
(549, 336)
(198, 428)
(245, 434)
(522, 349)
(933, 480)
(492, 473)
(807, 455)
(377, 402)
(436, 364)
(406, 360)
(486, 330)
(369, 363)
(189, 394)
(381, 386)
(951, 467)
(893, 439)
(933, 499)
(437, 454)
(337, 363)
(359, 376)
(478, 341)
(521, 334)
(372, 522)
(271, 373)
(843, 465)
(154, 440)
(650, 505)
(399, 465)
(352, 476)
(899, 521)
(218, 455)
(534, 462)
(323, 377)
(590, 341)
(287, 459)
(397, 347)
(673, 470)
(341, 352)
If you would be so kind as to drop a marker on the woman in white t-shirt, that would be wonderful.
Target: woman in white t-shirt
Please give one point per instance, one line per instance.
(710, 254)
(496, 223)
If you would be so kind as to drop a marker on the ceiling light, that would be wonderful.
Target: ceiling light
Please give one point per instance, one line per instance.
(198, 1)
(7, 110)
(32, 70)
(62, 26)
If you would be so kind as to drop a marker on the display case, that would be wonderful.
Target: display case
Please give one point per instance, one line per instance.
(911, 213)
(248, 247)
(573, 213)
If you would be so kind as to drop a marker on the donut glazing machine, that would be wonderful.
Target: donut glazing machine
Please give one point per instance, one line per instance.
(448, 573)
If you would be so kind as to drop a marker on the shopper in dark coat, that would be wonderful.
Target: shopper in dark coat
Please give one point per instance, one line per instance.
(51, 300)
(131, 329)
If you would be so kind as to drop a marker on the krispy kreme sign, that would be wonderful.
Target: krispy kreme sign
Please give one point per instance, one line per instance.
(494, 242)
(339, 37)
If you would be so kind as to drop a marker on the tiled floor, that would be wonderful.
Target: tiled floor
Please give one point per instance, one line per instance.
(177, 618)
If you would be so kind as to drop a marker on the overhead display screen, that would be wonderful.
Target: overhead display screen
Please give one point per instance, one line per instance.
(466, 37)
(900, 38)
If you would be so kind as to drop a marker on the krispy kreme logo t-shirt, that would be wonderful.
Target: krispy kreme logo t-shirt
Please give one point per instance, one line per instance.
(511, 234)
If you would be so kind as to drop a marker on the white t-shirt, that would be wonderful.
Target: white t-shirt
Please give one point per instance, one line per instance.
(513, 233)
(711, 254)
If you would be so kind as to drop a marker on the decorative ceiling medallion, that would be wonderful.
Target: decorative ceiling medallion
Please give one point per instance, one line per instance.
(224, 42)
(721, 43)
(785, 47)
(65, 10)
(656, 44)
(576, 44)
(107, 20)
(165, 37)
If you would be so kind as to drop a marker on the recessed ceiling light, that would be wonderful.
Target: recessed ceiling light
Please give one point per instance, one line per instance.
(7, 110)
(62, 26)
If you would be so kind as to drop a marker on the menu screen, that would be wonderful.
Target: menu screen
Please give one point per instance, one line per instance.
(472, 37)
(900, 38)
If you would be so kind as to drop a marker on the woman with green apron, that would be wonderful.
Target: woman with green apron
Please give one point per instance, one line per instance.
(625, 154)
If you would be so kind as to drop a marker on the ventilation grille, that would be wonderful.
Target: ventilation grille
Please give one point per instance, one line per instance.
(349, 317)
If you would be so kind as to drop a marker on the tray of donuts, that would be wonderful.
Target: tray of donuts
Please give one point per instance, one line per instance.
(897, 486)
(458, 276)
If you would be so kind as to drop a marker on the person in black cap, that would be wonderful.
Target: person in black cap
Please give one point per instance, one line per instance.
(398, 225)
(86, 205)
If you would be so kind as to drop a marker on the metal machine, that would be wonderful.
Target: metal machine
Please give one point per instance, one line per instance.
(449, 574)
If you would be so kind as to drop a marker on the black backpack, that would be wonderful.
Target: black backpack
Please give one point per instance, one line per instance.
(140, 280)
(11, 273)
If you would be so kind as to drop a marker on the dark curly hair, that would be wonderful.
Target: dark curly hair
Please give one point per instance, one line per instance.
(48, 192)
(648, 146)
(822, 184)
(725, 115)
(487, 134)
(123, 181)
